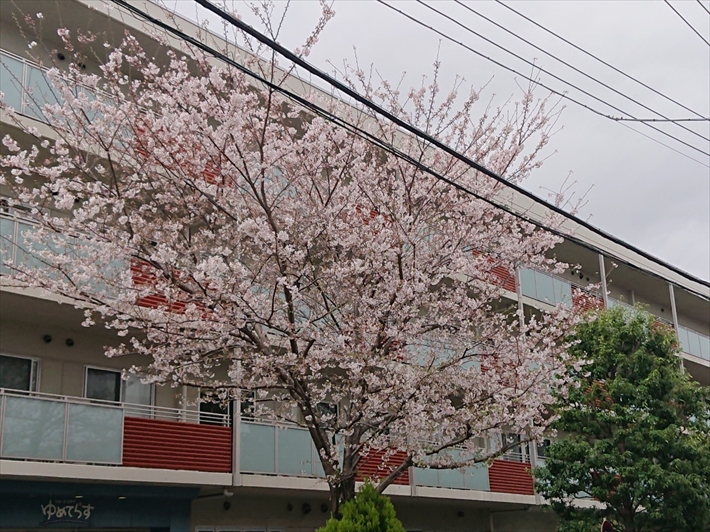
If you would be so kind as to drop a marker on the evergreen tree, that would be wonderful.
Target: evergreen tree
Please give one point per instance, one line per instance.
(635, 434)
(368, 512)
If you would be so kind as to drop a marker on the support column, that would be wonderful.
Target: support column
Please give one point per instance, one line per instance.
(412, 482)
(519, 294)
(602, 274)
(183, 400)
(674, 312)
(236, 439)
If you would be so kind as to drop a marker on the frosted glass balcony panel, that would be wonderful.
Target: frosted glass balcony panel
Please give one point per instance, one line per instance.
(38, 92)
(11, 81)
(451, 478)
(23, 253)
(33, 428)
(704, 347)
(527, 283)
(7, 235)
(693, 343)
(426, 477)
(683, 338)
(563, 291)
(545, 288)
(258, 448)
(476, 477)
(94, 434)
(295, 456)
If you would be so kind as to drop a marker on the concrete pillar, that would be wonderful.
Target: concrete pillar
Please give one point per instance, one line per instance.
(236, 439)
(602, 274)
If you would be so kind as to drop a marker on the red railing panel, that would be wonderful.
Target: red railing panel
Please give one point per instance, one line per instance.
(374, 466)
(159, 444)
(585, 301)
(510, 477)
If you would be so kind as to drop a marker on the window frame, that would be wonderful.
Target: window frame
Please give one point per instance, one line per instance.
(35, 372)
(122, 390)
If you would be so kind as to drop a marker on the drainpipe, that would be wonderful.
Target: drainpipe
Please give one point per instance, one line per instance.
(602, 274)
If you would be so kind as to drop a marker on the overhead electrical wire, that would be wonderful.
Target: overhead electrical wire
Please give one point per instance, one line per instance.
(605, 63)
(585, 74)
(703, 6)
(398, 153)
(687, 23)
(530, 78)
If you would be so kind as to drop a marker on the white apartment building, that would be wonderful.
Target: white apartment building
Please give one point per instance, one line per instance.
(82, 448)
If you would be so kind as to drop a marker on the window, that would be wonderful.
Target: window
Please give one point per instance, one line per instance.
(542, 448)
(107, 385)
(18, 373)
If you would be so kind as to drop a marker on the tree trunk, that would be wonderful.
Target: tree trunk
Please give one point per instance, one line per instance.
(340, 493)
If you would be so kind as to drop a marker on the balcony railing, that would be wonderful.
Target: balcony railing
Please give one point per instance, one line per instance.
(46, 427)
(55, 428)
(18, 253)
(25, 85)
(545, 287)
(694, 343)
(278, 449)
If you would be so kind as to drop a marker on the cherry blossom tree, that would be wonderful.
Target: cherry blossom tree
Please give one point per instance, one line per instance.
(244, 244)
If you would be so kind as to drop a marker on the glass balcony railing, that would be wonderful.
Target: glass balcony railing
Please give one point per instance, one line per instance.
(42, 427)
(544, 287)
(278, 450)
(472, 478)
(17, 253)
(694, 343)
(25, 85)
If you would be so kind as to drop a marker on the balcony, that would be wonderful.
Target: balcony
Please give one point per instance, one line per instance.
(52, 428)
(25, 85)
(554, 290)
(283, 450)
(694, 343)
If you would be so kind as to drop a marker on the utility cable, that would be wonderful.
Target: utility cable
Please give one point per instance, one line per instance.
(703, 6)
(529, 78)
(688, 23)
(618, 71)
(579, 71)
(391, 149)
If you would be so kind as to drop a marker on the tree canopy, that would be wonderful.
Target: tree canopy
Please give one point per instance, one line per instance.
(634, 434)
(242, 243)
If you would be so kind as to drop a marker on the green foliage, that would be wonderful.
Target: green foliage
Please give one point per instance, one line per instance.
(369, 511)
(635, 433)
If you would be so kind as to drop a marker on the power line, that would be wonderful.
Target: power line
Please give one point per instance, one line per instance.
(688, 23)
(663, 118)
(391, 149)
(629, 76)
(529, 78)
(703, 6)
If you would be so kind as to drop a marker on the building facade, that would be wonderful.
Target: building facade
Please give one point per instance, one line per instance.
(82, 448)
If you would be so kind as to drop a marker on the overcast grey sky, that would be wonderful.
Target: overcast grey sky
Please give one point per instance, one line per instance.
(645, 193)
